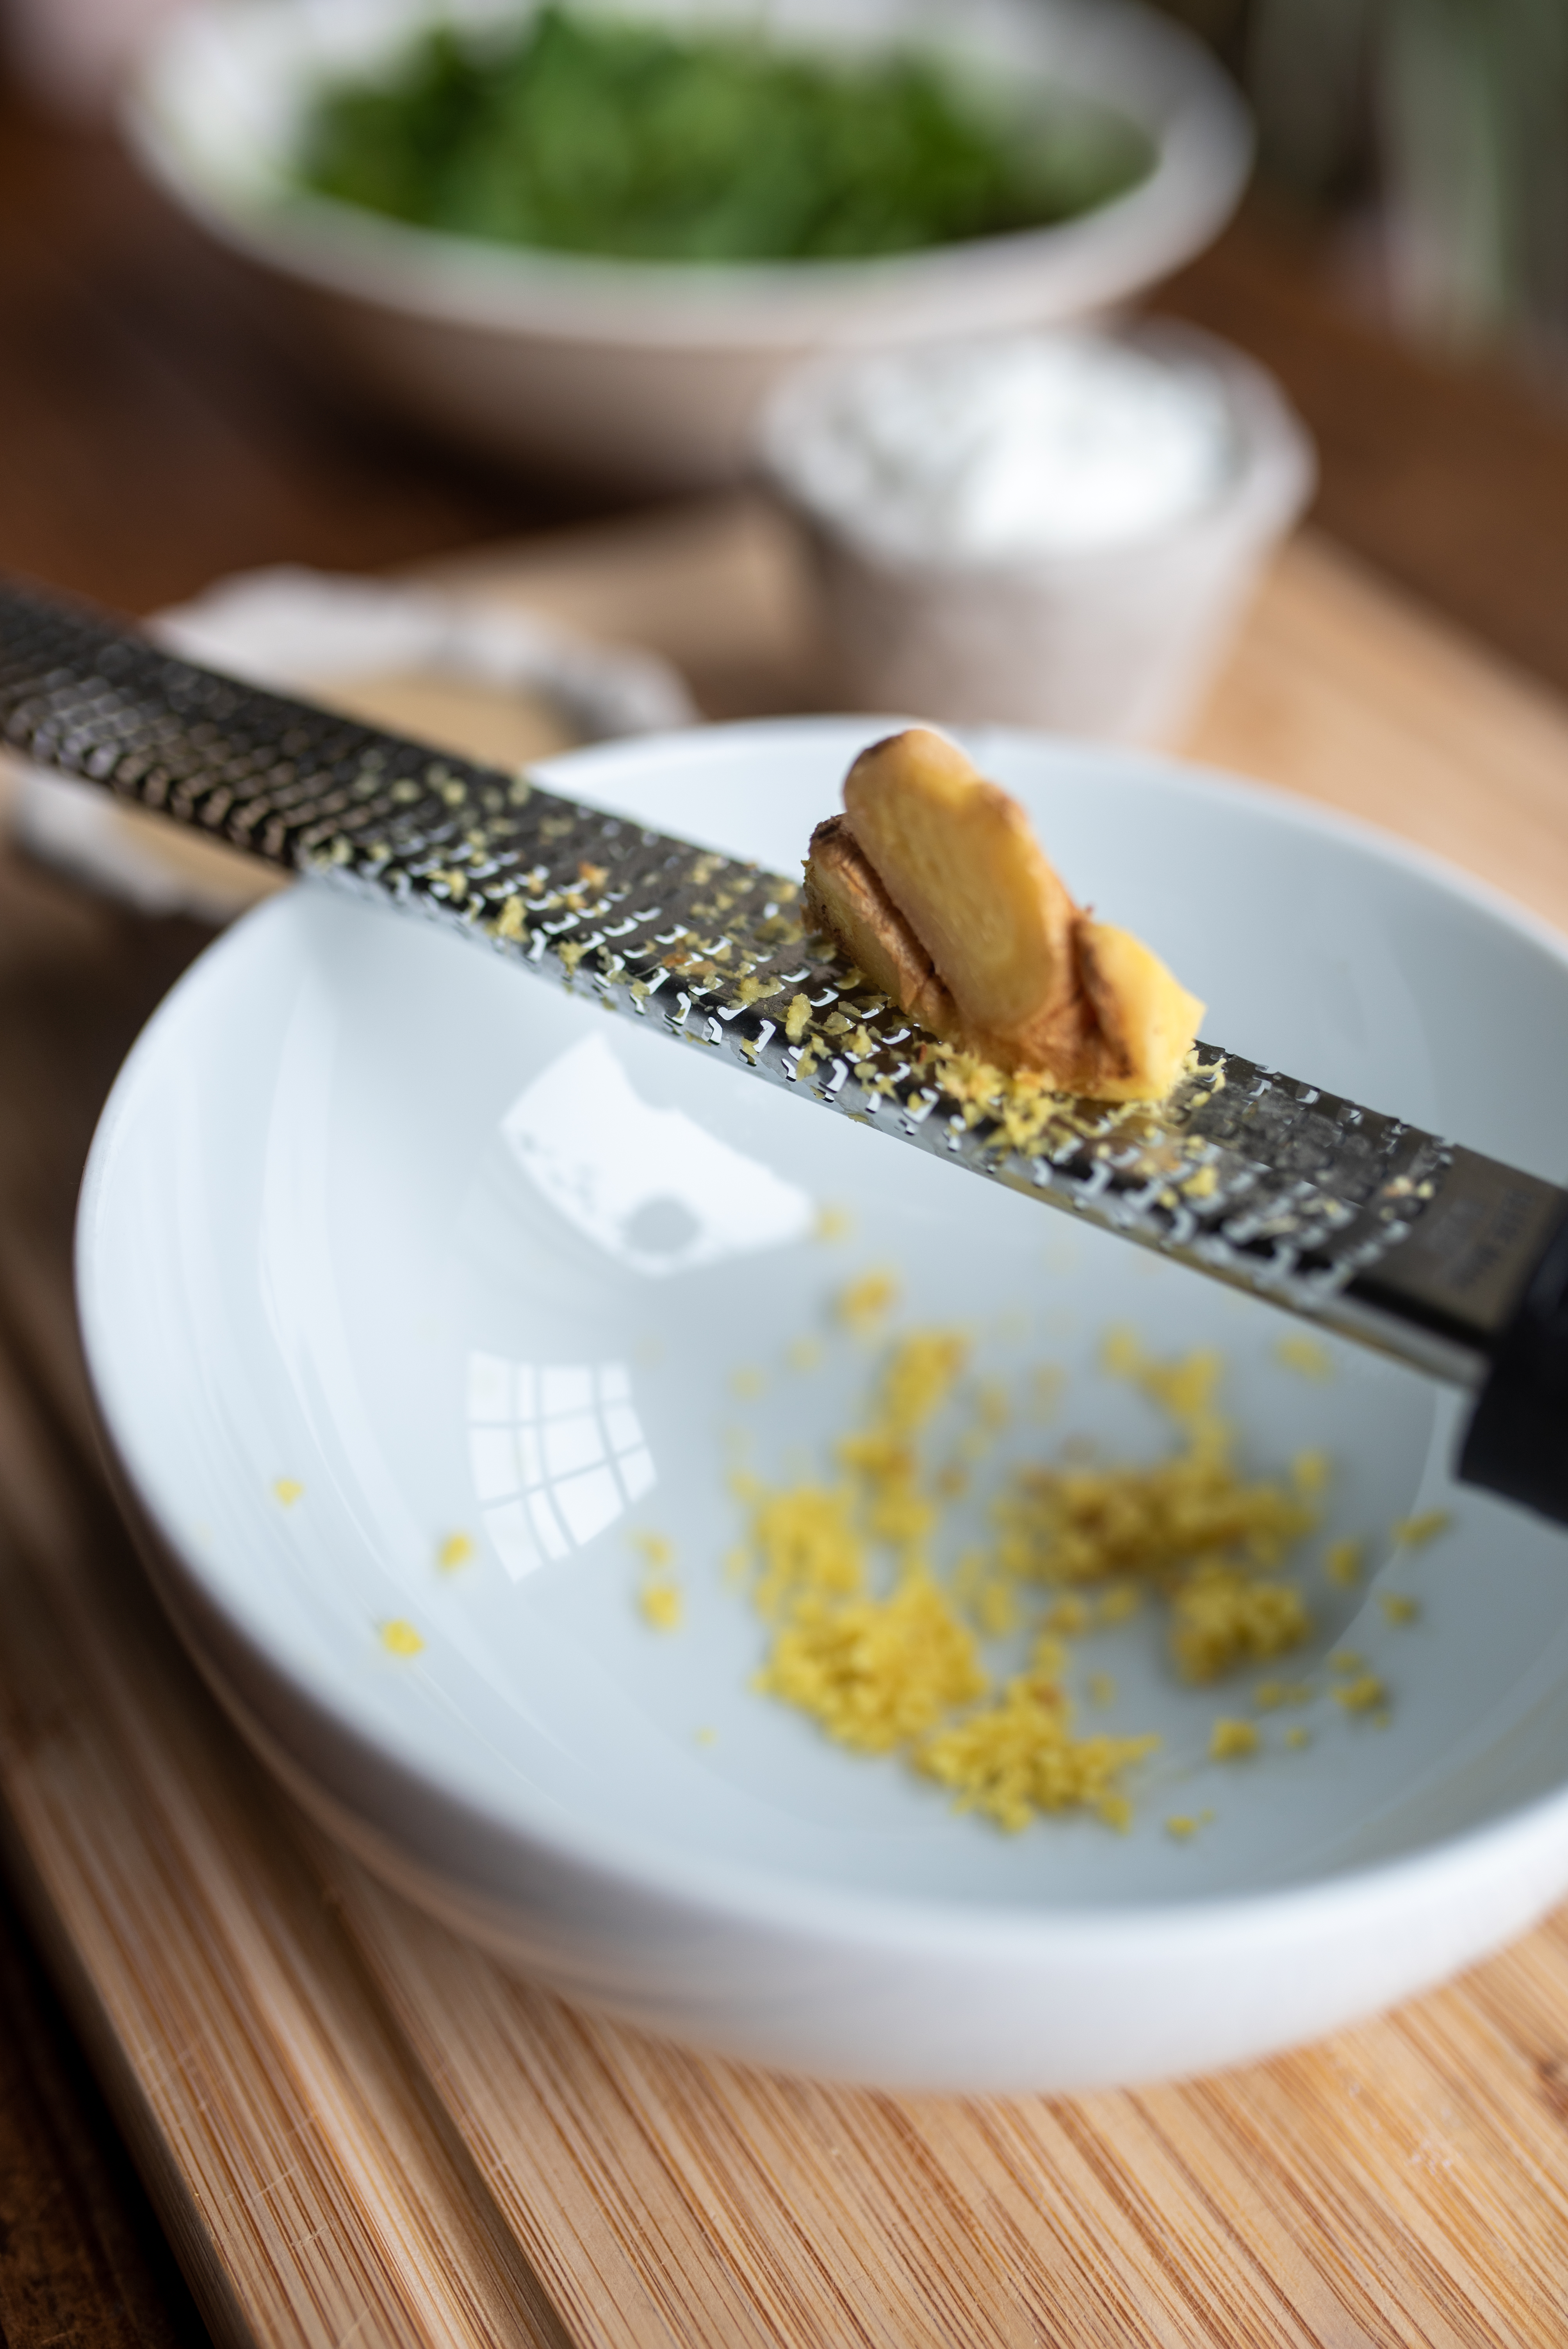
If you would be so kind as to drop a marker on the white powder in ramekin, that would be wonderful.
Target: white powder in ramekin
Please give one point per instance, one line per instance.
(1034, 447)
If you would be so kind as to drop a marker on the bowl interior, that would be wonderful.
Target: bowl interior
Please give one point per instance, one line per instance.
(386, 1249)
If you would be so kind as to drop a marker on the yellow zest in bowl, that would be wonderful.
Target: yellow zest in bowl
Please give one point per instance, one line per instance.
(659, 1598)
(1224, 1617)
(1411, 1533)
(866, 1304)
(661, 1606)
(875, 1672)
(1269, 1695)
(1342, 1562)
(884, 1649)
(1364, 1694)
(1309, 1472)
(1017, 1757)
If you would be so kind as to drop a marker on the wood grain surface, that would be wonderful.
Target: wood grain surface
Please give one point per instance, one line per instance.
(359, 2128)
(1452, 481)
(76, 2232)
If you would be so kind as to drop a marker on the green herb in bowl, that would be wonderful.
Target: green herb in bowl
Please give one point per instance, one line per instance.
(598, 135)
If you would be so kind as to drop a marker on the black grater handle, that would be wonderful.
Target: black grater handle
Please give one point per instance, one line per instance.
(1517, 1441)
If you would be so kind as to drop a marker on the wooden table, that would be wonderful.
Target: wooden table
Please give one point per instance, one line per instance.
(353, 2127)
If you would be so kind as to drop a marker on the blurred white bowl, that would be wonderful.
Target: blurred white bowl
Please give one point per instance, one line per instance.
(361, 1188)
(650, 373)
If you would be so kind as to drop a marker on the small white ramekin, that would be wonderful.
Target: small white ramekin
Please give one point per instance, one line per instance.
(1116, 642)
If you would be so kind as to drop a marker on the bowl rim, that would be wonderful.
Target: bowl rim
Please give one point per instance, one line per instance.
(673, 1874)
(1200, 124)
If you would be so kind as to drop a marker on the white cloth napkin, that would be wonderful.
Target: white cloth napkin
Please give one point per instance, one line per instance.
(288, 628)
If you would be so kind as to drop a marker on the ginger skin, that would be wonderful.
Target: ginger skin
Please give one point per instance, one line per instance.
(843, 896)
(933, 884)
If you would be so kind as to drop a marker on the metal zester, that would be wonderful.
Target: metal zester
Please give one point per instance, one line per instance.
(1367, 1226)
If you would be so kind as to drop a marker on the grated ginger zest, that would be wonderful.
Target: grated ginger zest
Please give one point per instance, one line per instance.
(885, 1655)
(1018, 1757)
(876, 1672)
(1222, 1617)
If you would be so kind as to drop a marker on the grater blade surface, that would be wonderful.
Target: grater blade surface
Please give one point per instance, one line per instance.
(1364, 1223)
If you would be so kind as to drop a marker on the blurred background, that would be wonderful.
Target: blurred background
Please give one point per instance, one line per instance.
(1429, 135)
(1401, 265)
(1426, 138)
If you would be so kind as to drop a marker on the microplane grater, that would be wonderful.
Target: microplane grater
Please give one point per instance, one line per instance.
(1364, 1225)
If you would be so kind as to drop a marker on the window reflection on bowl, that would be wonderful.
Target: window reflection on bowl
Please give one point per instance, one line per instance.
(556, 1452)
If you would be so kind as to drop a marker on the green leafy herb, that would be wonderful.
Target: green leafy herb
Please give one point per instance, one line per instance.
(591, 134)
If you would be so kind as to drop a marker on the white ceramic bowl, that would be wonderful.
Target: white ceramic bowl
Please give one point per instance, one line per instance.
(356, 1173)
(644, 374)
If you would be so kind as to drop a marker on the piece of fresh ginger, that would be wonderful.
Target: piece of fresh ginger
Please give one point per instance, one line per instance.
(933, 884)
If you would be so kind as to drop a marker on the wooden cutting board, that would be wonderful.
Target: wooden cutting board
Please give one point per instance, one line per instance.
(359, 2129)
